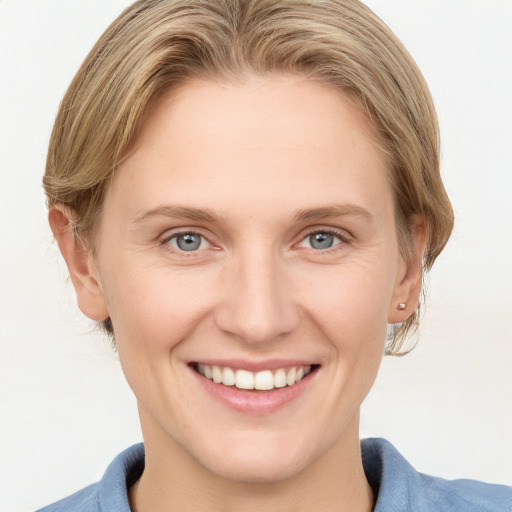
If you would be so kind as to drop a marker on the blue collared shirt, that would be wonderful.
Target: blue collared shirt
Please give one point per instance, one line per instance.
(398, 487)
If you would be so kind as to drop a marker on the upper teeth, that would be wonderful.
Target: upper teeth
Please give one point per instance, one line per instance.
(263, 380)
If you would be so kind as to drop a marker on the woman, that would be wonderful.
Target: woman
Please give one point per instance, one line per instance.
(247, 194)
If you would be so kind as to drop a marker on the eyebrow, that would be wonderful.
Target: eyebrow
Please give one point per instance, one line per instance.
(205, 215)
(336, 210)
(182, 212)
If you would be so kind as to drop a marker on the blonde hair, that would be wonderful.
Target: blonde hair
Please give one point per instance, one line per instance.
(155, 45)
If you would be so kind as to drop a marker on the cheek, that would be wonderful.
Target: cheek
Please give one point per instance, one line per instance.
(154, 314)
(156, 307)
(351, 312)
(351, 303)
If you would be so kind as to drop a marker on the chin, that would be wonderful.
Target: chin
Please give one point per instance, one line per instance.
(265, 460)
(257, 471)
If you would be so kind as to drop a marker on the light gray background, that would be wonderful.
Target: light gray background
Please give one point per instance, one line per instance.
(65, 410)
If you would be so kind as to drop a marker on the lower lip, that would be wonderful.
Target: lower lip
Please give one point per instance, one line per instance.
(254, 402)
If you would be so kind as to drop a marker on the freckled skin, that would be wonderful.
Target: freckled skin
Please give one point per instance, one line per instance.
(252, 155)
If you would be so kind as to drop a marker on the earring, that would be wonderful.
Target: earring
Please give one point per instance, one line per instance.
(401, 306)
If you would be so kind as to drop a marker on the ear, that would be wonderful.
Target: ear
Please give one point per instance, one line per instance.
(80, 262)
(409, 277)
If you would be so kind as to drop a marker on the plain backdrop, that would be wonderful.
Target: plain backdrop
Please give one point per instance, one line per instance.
(65, 409)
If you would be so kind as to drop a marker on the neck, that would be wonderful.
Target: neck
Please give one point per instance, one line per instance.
(173, 480)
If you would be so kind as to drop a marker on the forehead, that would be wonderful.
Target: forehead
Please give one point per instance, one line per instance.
(283, 139)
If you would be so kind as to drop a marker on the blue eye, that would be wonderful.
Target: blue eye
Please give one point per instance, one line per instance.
(188, 242)
(321, 240)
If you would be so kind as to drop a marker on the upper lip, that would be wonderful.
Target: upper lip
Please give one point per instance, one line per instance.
(253, 366)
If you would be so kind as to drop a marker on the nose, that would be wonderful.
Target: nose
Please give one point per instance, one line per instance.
(257, 303)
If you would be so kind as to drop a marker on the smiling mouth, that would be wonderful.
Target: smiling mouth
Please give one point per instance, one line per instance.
(265, 380)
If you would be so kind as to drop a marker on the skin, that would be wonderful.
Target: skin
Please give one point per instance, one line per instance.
(254, 155)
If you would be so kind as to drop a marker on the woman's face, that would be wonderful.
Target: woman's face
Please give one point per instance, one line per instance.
(250, 234)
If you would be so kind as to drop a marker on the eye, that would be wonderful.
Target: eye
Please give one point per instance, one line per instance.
(188, 242)
(322, 240)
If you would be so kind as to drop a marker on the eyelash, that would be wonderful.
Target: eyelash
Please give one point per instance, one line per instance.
(341, 235)
(182, 254)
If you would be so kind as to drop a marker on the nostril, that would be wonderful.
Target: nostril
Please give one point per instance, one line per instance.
(257, 308)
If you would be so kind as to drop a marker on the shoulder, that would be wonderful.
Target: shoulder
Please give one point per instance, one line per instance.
(85, 500)
(399, 487)
(110, 494)
(467, 495)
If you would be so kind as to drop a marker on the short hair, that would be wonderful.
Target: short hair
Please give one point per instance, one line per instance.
(155, 45)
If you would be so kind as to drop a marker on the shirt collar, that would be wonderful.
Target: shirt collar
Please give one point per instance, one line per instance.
(120, 475)
(395, 483)
(398, 487)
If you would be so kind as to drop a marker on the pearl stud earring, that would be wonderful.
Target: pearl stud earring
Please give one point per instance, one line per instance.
(401, 306)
